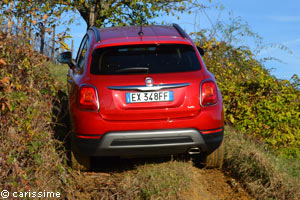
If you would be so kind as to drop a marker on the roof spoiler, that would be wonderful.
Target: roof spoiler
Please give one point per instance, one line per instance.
(97, 33)
(180, 30)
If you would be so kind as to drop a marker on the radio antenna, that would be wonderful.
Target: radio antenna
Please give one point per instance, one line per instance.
(141, 21)
(141, 31)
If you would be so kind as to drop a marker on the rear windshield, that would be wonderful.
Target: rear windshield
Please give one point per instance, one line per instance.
(144, 59)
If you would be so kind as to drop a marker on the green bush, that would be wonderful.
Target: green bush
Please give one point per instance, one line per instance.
(255, 101)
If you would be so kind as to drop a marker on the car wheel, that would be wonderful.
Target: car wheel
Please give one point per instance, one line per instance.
(212, 160)
(79, 161)
(215, 159)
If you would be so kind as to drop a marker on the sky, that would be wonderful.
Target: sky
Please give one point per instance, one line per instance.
(277, 22)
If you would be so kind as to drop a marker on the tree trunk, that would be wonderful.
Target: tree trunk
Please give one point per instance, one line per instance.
(48, 51)
(32, 38)
(42, 43)
(72, 47)
(92, 14)
(53, 44)
(18, 26)
(10, 21)
(42, 35)
(24, 30)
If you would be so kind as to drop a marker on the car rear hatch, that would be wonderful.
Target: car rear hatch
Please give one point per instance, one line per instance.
(147, 82)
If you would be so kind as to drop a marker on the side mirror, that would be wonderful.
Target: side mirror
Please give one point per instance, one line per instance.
(201, 51)
(66, 58)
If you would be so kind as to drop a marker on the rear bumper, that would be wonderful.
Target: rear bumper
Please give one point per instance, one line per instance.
(149, 142)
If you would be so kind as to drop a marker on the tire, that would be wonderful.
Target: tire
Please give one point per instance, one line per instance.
(215, 159)
(212, 160)
(78, 161)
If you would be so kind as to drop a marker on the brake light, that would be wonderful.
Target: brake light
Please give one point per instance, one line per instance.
(88, 99)
(208, 93)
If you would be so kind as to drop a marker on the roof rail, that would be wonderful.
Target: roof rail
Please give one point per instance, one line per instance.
(180, 30)
(97, 33)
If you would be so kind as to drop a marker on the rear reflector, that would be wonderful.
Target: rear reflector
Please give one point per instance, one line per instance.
(88, 99)
(212, 131)
(208, 93)
(89, 136)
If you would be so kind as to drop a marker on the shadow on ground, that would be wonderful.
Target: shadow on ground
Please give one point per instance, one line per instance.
(115, 164)
(60, 120)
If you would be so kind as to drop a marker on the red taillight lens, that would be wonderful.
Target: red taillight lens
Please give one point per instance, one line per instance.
(88, 99)
(209, 93)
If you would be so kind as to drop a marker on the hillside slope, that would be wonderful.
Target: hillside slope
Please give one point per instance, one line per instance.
(34, 148)
(29, 155)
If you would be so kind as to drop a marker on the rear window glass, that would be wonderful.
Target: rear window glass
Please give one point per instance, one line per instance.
(144, 59)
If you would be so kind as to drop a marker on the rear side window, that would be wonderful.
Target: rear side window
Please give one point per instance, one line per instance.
(144, 59)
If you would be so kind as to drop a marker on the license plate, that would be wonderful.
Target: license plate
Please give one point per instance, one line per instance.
(140, 97)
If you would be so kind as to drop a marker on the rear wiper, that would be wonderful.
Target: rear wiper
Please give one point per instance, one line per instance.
(133, 70)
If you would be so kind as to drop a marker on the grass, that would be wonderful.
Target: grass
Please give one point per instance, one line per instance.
(59, 72)
(166, 180)
(159, 178)
(289, 165)
(263, 174)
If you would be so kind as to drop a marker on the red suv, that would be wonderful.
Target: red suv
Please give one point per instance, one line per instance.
(142, 91)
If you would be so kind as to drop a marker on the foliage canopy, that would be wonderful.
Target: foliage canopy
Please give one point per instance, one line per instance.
(123, 12)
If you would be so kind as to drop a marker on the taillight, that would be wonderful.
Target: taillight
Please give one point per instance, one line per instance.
(88, 99)
(208, 93)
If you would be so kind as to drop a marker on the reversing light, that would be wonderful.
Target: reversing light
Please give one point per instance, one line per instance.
(208, 93)
(88, 99)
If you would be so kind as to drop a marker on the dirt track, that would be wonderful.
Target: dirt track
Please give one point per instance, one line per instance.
(110, 181)
(213, 184)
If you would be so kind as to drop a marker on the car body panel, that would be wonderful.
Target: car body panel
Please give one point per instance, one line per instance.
(114, 104)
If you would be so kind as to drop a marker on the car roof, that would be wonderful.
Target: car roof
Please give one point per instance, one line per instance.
(132, 34)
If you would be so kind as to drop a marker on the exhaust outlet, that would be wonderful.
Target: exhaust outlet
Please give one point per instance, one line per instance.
(194, 150)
